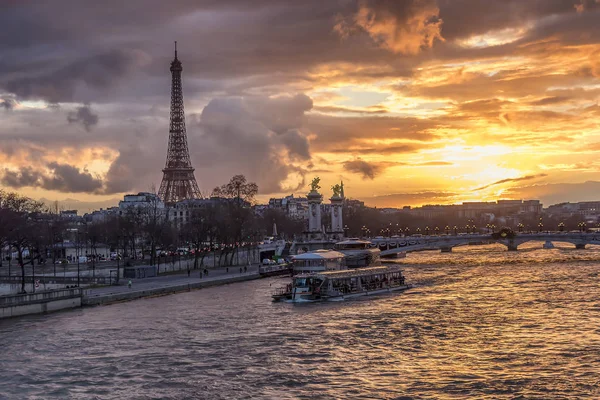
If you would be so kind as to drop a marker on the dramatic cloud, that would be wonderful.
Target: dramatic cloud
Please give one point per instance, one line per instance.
(419, 198)
(522, 178)
(26, 176)
(59, 177)
(84, 116)
(8, 103)
(447, 94)
(368, 170)
(62, 83)
(400, 26)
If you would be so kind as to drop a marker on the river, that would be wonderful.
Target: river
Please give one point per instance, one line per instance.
(479, 323)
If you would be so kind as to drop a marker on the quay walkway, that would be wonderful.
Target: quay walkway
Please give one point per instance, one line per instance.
(166, 284)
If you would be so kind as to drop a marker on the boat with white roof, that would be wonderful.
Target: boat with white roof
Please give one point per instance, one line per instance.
(343, 284)
(318, 261)
(359, 253)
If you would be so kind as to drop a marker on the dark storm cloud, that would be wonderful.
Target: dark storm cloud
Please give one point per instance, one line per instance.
(66, 178)
(368, 170)
(8, 103)
(253, 134)
(83, 116)
(463, 18)
(60, 177)
(26, 176)
(297, 144)
(56, 83)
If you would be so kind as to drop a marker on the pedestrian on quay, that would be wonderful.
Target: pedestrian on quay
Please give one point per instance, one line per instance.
(227, 270)
(188, 272)
(245, 269)
(240, 270)
(129, 284)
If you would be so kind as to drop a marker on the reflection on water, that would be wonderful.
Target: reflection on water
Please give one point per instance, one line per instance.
(481, 322)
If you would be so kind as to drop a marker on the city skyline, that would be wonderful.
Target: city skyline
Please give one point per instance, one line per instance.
(410, 103)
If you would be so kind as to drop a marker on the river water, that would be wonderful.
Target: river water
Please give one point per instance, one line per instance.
(479, 323)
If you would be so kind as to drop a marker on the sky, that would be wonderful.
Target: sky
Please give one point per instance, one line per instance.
(408, 102)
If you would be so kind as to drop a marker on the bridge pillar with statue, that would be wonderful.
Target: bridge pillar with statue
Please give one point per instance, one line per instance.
(314, 212)
(337, 223)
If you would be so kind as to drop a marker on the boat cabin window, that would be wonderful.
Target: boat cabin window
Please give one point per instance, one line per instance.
(300, 282)
(351, 246)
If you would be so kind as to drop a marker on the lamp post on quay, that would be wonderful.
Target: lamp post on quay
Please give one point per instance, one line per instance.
(77, 255)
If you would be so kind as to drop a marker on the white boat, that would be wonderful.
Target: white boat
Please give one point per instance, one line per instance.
(341, 285)
(318, 261)
(359, 253)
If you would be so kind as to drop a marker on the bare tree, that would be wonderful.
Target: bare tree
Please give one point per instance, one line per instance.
(239, 213)
(19, 225)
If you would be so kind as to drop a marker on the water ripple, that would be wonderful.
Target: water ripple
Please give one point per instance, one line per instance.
(480, 323)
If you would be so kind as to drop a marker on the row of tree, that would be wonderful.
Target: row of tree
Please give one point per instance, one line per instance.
(33, 233)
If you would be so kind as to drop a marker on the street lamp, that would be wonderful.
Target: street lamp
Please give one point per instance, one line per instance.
(77, 255)
(493, 228)
(406, 231)
(520, 226)
(447, 229)
(540, 226)
(418, 231)
(427, 230)
(561, 226)
(455, 230)
(117, 255)
(346, 230)
(437, 230)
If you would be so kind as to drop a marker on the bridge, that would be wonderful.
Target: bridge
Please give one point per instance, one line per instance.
(390, 246)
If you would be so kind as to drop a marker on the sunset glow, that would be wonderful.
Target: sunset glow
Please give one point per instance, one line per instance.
(443, 97)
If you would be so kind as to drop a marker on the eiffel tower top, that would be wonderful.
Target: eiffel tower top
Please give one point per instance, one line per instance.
(176, 64)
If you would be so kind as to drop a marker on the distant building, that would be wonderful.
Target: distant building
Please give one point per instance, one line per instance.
(69, 214)
(183, 211)
(102, 215)
(142, 201)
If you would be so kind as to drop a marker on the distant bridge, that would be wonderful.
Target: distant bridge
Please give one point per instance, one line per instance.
(445, 243)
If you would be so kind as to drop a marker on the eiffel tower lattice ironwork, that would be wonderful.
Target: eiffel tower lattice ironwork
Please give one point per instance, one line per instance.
(178, 181)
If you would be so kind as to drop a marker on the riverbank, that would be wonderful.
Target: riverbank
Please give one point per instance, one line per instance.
(160, 286)
(148, 287)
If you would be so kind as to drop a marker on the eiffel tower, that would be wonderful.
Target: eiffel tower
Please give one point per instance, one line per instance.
(178, 181)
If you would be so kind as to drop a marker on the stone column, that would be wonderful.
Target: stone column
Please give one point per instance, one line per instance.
(314, 211)
(337, 223)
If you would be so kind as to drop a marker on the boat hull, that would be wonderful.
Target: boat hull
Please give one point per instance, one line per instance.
(310, 298)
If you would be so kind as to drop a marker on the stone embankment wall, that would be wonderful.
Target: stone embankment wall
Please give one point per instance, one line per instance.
(239, 259)
(40, 302)
(90, 300)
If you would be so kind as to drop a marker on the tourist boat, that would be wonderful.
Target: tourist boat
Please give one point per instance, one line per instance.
(318, 261)
(359, 253)
(341, 285)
